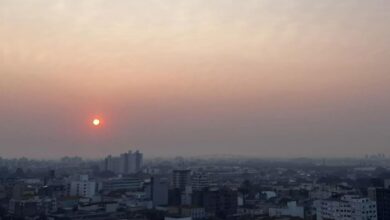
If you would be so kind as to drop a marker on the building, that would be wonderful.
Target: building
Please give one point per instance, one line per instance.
(186, 196)
(138, 161)
(196, 213)
(122, 183)
(31, 207)
(200, 181)
(83, 187)
(174, 197)
(382, 198)
(23, 208)
(126, 163)
(292, 210)
(177, 218)
(348, 207)
(88, 215)
(159, 193)
(53, 190)
(112, 164)
(219, 202)
(269, 194)
(181, 179)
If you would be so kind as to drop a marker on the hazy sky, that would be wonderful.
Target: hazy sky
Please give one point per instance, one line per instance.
(194, 77)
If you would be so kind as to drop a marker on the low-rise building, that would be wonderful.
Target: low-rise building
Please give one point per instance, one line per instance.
(292, 210)
(122, 183)
(348, 207)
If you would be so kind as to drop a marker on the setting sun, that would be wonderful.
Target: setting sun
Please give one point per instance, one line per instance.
(96, 122)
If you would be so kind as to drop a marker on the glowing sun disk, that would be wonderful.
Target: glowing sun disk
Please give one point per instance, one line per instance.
(96, 122)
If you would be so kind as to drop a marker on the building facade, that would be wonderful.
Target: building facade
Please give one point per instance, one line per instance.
(83, 187)
(382, 198)
(348, 207)
(181, 179)
(123, 183)
(126, 163)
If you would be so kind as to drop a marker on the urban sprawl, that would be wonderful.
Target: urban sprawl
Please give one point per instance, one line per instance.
(127, 186)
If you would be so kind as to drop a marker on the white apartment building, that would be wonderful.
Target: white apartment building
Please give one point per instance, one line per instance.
(83, 187)
(349, 207)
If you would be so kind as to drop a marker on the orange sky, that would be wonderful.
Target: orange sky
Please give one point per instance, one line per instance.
(194, 77)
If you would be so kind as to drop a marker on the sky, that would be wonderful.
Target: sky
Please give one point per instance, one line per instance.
(197, 77)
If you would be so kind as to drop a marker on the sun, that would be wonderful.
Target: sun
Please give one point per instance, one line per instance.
(96, 122)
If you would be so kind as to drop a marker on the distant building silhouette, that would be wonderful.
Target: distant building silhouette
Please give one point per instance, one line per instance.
(126, 163)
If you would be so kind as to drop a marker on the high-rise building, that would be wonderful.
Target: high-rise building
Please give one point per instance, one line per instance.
(134, 162)
(382, 198)
(181, 179)
(112, 164)
(126, 163)
(138, 160)
(160, 187)
(123, 163)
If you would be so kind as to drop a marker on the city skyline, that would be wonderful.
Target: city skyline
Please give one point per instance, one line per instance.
(254, 78)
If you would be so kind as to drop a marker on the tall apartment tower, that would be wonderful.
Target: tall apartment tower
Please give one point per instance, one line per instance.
(159, 189)
(126, 163)
(382, 198)
(181, 179)
(123, 161)
(138, 160)
(131, 162)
